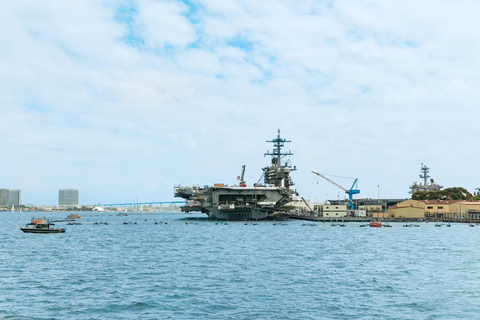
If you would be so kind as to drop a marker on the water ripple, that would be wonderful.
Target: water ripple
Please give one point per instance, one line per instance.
(236, 271)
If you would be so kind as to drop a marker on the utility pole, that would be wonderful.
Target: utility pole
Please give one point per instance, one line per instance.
(378, 195)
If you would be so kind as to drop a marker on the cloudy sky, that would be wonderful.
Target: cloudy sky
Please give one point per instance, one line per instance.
(125, 99)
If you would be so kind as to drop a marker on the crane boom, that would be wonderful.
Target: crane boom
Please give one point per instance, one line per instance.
(242, 177)
(309, 208)
(350, 192)
(321, 175)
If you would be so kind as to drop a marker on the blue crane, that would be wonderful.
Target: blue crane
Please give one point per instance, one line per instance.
(350, 192)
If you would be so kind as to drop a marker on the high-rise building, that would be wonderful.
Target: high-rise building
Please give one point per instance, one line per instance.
(15, 197)
(67, 198)
(10, 197)
(4, 195)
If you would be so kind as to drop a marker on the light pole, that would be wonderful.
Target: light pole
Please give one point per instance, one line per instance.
(378, 194)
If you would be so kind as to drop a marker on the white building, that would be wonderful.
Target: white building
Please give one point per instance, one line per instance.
(333, 211)
(360, 213)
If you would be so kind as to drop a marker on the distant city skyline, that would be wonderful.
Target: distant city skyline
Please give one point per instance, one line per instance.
(143, 95)
(10, 197)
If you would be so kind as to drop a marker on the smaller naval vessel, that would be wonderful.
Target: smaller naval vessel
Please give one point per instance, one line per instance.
(241, 202)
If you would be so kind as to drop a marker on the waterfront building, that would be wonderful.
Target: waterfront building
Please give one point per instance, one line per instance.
(408, 209)
(67, 198)
(464, 210)
(372, 206)
(371, 209)
(436, 209)
(333, 211)
(360, 213)
(10, 197)
(379, 214)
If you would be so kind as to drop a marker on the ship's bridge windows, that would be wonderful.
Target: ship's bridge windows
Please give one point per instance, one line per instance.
(429, 207)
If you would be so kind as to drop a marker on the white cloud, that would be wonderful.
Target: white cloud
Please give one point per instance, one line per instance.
(164, 23)
(189, 93)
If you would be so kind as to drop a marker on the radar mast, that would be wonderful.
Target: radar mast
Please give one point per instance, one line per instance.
(277, 174)
(415, 187)
(424, 175)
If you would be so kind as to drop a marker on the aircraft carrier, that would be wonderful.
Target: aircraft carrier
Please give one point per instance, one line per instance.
(240, 202)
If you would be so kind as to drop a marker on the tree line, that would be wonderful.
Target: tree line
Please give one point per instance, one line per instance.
(456, 193)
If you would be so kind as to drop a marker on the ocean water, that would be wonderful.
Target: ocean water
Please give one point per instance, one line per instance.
(199, 269)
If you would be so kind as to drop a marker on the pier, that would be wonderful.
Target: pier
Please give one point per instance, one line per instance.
(389, 219)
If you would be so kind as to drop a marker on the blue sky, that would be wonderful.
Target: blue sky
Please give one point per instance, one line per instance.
(125, 99)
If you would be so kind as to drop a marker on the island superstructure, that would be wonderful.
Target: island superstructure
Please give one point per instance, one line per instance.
(415, 187)
(241, 202)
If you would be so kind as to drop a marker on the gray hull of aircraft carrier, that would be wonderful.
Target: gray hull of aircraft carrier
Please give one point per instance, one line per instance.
(234, 203)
